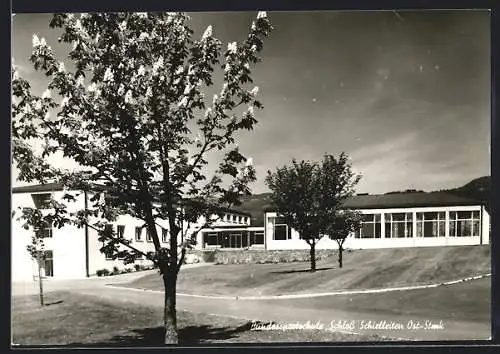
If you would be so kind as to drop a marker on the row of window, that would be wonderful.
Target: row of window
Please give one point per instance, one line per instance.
(139, 232)
(233, 239)
(235, 219)
(429, 224)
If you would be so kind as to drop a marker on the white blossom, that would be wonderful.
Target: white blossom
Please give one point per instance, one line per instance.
(92, 87)
(183, 102)
(188, 89)
(46, 94)
(61, 67)
(38, 105)
(142, 14)
(128, 97)
(79, 81)
(141, 70)
(117, 135)
(97, 36)
(121, 90)
(214, 100)
(207, 33)
(254, 91)
(74, 45)
(70, 16)
(35, 41)
(27, 109)
(261, 14)
(78, 25)
(191, 70)
(250, 110)
(158, 64)
(149, 92)
(254, 48)
(247, 66)
(232, 47)
(227, 67)
(254, 26)
(108, 75)
(42, 42)
(64, 101)
(143, 36)
(122, 25)
(191, 161)
(15, 75)
(249, 162)
(208, 112)
(179, 70)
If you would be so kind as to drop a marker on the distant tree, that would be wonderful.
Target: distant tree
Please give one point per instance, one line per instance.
(343, 223)
(309, 195)
(134, 116)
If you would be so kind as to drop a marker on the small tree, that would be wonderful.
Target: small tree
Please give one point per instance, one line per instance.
(36, 221)
(343, 223)
(134, 116)
(309, 195)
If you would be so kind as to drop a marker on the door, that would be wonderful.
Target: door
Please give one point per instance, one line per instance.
(48, 264)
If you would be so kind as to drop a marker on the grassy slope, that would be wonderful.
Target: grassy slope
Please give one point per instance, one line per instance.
(470, 301)
(362, 269)
(77, 320)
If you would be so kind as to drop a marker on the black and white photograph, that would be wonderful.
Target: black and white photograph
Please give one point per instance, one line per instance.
(216, 178)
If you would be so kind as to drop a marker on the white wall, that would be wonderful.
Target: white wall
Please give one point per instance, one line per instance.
(356, 243)
(67, 243)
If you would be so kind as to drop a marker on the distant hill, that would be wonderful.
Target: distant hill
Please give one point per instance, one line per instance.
(255, 205)
(477, 189)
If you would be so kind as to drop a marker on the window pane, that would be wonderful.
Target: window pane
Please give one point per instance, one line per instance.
(378, 230)
(387, 230)
(41, 201)
(464, 228)
(377, 217)
(120, 231)
(453, 228)
(475, 228)
(409, 229)
(430, 229)
(419, 229)
(453, 215)
(475, 214)
(464, 214)
(138, 233)
(279, 220)
(367, 217)
(430, 216)
(164, 234)
(259, 238)
(441, 216)
(367, 230)
(387, 217)
(409, 216)
(398, 229)
(280, 232)
(398, 217)
(420, 216)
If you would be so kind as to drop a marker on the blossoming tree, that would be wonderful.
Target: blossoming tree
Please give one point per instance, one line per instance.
(133, 115)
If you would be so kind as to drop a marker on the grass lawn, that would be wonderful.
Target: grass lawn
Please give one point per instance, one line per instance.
(363, 269)
(469, 301)
(71, 319)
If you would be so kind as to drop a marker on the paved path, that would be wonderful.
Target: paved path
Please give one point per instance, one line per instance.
(279, 310)
(287, 311)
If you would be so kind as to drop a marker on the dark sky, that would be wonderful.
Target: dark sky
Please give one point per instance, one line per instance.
(406, 94)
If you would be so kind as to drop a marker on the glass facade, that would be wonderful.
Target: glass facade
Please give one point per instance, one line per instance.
(233, 239)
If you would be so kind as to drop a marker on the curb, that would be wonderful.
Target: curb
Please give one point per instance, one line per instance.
(313, 295)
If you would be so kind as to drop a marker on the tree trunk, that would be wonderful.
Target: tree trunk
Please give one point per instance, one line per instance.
(341, 249)
(313, 256)
(170, 315)
(40, 282)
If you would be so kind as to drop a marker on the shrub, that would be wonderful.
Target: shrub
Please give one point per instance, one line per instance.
(137, 267)
(209, 256)
(104, 272)
(99, 272)
(115, 270)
